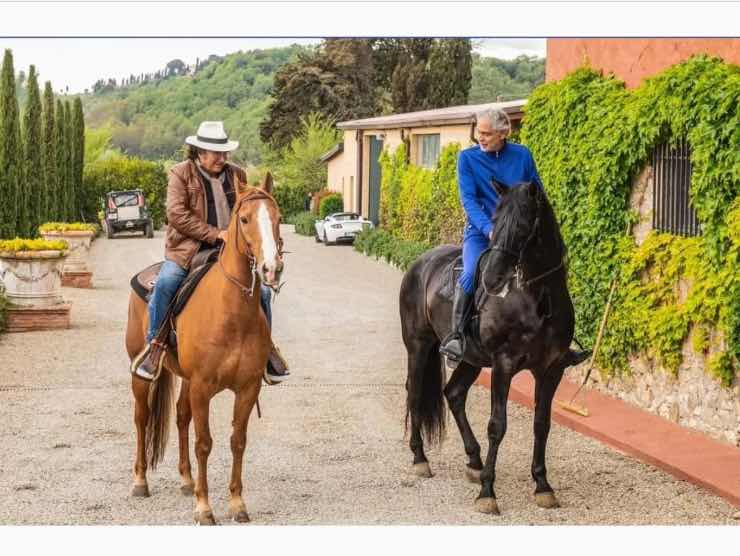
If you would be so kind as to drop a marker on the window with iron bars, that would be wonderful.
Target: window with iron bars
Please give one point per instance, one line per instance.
(672, 211)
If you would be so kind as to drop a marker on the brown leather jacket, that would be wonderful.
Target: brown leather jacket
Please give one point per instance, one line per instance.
(187, 216)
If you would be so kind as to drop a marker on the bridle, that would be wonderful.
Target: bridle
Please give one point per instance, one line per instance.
(519, 281)
(248, 292)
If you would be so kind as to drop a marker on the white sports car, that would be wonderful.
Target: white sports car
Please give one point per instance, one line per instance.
(340, 226)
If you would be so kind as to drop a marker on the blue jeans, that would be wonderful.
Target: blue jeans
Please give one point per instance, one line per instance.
(170, 277)
(473, 246)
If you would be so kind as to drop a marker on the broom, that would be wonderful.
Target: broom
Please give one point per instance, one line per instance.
(571, 406)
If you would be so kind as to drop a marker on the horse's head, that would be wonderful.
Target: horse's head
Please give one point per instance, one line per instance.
(517, 217)
(257, 223)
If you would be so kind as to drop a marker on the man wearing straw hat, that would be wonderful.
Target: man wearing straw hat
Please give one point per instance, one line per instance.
(201, 194)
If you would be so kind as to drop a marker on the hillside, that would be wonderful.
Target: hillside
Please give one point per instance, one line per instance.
(151, 119)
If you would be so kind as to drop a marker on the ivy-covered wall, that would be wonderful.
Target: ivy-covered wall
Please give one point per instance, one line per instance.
(590, 138)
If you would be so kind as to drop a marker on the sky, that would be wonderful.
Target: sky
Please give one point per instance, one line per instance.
(78, 63)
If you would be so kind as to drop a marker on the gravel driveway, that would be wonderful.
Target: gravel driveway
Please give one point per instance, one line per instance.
(330, 447)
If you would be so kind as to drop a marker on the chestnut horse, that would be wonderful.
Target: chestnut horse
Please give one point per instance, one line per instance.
(223, 341)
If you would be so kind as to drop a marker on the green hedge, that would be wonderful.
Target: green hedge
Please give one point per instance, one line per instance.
(330, 204)
(3, 310)
(304, 223)
(382, 244)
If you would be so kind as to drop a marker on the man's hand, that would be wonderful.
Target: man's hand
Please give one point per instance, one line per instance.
(223, 235)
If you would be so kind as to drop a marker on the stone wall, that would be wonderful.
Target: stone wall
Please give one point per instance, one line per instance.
(692, 398)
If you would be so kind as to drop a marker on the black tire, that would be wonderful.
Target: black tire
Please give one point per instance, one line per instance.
(109, 230)
(149, 231)
(326, 241)
(316, 237)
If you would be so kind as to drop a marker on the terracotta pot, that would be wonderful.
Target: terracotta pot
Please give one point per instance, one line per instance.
(79, 247)
(32, 278)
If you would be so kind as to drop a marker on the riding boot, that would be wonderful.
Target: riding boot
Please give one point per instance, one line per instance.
(277, 367)
(453, 346)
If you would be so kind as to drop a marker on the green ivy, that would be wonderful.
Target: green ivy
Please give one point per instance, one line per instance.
(590, 138)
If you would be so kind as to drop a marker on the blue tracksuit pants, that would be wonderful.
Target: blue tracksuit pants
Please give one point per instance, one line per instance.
(473, 245)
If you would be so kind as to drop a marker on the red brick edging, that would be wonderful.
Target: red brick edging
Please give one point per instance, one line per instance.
(26, 319)
(77, 279)
(684, 453)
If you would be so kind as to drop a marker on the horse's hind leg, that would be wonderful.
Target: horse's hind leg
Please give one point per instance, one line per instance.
(456, 393)
(141, 416)
(184, 416)
(545, 386)
(421, 357)
(243, 404)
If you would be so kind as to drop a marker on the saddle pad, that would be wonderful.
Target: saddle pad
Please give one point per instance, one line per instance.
(451, 272)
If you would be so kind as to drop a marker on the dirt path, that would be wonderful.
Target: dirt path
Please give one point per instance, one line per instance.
(330, 447)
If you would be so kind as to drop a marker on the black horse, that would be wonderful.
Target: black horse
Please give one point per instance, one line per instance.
(524, 320)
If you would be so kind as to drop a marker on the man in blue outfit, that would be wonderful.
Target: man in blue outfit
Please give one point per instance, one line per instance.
(493, 158)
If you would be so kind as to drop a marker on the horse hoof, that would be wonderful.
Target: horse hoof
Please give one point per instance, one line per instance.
(423, 470)
(472, 475)
(187, 490)
(205, 518)
(546, 500)
(140, 491)
(241, 516)
(487, 506)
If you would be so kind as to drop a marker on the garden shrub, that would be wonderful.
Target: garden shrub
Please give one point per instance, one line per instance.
(330, 204)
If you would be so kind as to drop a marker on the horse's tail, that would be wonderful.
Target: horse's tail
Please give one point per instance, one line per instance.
(425, 396)
(161, 394)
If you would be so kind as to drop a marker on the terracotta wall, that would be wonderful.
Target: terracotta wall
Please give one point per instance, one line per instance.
(631, 60)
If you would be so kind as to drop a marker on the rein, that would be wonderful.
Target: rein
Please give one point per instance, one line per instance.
(248, 292)
(520, 282)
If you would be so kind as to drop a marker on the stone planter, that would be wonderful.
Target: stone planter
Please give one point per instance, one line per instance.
(32, 278)
(76, 272)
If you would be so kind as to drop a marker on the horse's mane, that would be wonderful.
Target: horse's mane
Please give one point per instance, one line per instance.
(511, 219)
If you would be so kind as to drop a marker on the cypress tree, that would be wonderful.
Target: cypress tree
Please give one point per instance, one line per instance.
(78, 130)
(69, 186)
(33, 187)
(50, 156)
(10, 149)
(59, 200)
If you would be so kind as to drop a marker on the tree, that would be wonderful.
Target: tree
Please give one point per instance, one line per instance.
(49, 155)
(450, 72)
(298, 170)
(11, 168)
(32, 197)
(335, 81)
(78, 162)
(70, 194)
(59, 201)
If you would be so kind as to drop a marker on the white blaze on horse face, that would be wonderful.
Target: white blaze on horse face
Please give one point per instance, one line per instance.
(269, 247)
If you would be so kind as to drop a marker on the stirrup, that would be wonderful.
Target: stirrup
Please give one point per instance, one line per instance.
(452, 358)
(143, 354)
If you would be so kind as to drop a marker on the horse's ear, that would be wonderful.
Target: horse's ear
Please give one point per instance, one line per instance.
(267, 183)
(498, 188)
(532, 189)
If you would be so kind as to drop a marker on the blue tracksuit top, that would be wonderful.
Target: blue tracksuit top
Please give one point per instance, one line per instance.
(475, 168)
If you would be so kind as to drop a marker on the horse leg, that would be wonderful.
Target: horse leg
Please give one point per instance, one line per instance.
(456, 393)
(184, 416)
(243, 404)
(500, 384)
(200, 400)
(418, 362)
(141, 416)
(545, 386)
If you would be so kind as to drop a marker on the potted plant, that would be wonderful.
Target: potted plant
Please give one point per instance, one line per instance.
(78, 235)
(31, 271)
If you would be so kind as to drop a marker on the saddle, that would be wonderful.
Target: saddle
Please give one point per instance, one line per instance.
(143, 284)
